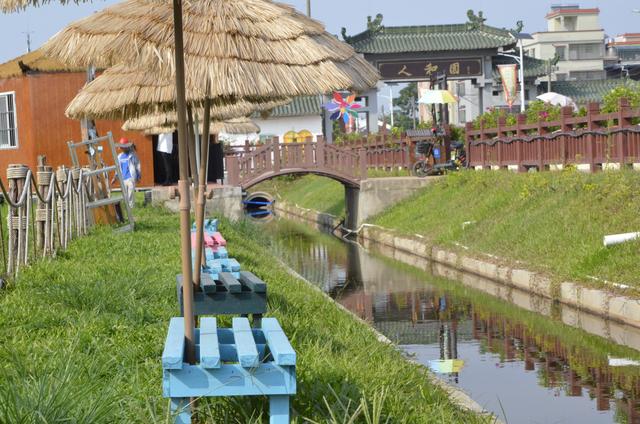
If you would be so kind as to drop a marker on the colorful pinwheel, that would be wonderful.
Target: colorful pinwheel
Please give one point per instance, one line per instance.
(343, 108)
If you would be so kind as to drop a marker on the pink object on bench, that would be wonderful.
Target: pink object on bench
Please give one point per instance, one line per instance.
(218, 239)
(208, 240)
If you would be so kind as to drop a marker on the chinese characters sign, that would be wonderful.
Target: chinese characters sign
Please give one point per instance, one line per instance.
(425, 69)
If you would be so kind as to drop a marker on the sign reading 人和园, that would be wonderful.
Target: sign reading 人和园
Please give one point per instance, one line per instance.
(425, 69)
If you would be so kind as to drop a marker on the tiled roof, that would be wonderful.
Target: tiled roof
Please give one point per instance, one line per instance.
(589, 91)
(300, 106)
(533, 67)
(430, 38)
(33, 62)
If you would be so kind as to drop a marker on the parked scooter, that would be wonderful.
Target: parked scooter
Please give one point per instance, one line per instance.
(428, 153)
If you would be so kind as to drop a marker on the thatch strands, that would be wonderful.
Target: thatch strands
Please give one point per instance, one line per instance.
(124, 92)
(248, 48)
(8, 6)
(232, 126)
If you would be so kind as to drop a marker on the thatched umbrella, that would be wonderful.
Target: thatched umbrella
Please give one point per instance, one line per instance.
(163, 123)
(235, 48)
(240, 47)
(124, 92)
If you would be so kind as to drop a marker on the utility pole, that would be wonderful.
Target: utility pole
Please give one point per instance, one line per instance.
(28, 34)
(309, 8)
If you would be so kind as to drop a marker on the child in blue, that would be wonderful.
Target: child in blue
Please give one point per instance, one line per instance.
(130, 168)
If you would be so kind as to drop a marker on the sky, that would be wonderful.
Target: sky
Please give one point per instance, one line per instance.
(616, 16)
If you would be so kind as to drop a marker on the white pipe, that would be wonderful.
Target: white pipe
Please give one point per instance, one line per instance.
(522, 88)
(614, 239)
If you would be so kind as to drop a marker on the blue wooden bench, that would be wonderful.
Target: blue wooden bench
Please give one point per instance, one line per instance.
(237, 361)
(228, 295)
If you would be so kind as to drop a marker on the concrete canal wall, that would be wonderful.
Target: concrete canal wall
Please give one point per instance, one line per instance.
(414, 250)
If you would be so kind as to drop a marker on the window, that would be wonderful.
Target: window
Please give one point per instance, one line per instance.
(586, 51)
(561, 51)
(587, 75)
(8, 127)
(462, 115)
(460, 87)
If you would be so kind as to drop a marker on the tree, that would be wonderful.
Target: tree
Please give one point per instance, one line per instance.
(406, 108)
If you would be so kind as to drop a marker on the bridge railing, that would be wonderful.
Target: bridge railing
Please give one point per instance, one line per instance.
(597, 139)
(275, 158)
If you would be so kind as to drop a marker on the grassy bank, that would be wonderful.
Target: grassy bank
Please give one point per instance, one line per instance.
(553, 221)
(310, 191)
(83, 335)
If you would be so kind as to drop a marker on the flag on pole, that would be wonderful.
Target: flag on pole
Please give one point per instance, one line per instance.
(508, 73)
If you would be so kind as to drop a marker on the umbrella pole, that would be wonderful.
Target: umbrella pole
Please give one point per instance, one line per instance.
(183, 187)
(192, 151)
(200, 203)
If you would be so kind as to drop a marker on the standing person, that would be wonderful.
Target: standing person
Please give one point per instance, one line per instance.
(165, 148)
(130, 168)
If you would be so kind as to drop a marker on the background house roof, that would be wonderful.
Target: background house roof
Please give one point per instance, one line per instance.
(299, 106)
(427, 38)
(533, 68)
(33, 62)
(589, 91)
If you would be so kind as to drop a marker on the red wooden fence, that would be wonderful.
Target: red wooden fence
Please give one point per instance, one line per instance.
(595, 140)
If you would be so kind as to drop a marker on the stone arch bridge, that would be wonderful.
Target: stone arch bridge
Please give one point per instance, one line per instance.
(363, 197)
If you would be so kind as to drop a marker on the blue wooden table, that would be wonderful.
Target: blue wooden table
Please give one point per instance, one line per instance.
(237, 361)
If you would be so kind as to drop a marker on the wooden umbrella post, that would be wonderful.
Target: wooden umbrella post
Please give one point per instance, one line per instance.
(200, 202)
(183, 187)
(192, 151)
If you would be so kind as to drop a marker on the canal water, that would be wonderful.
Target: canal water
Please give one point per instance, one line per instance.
(538, 362)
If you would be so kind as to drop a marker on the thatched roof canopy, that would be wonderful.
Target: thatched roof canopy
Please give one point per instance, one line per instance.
(232, 126)
(248, 48)
(124, 92)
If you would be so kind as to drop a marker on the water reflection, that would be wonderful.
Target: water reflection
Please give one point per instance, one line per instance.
(524, 367)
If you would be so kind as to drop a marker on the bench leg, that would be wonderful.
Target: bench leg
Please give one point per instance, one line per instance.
(257, 320)
(279, 409)
(181, 410)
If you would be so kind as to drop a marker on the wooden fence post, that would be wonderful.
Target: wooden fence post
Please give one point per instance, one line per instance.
(468, 127)
(565, 114)
(233, 170)
(521, 120)
(502, 121)
(43, 179)
(483, 147)
(275, 146)
(622, 139)
(542, 130)
(320, 152)
(362, 156)
(592, 110)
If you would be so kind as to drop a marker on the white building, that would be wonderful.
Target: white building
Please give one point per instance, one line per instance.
(576, 36)
(298, 119)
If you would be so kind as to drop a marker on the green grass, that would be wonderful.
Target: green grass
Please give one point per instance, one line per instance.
(83, 335)
(552, 221)
(310, 191)
(315, 192)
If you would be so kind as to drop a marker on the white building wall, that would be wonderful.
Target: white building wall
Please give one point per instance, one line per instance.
(278, 127)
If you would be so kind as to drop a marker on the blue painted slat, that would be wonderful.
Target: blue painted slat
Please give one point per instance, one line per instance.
(232, 285)
(245, 344)
(172, 356)
(278, 343)
(234, 265)
(209, 348)
(254, 283)
(231, 380)
(207, 284)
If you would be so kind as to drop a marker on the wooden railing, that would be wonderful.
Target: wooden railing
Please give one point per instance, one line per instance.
(252, 165)
(597, 139)
(385, 153)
